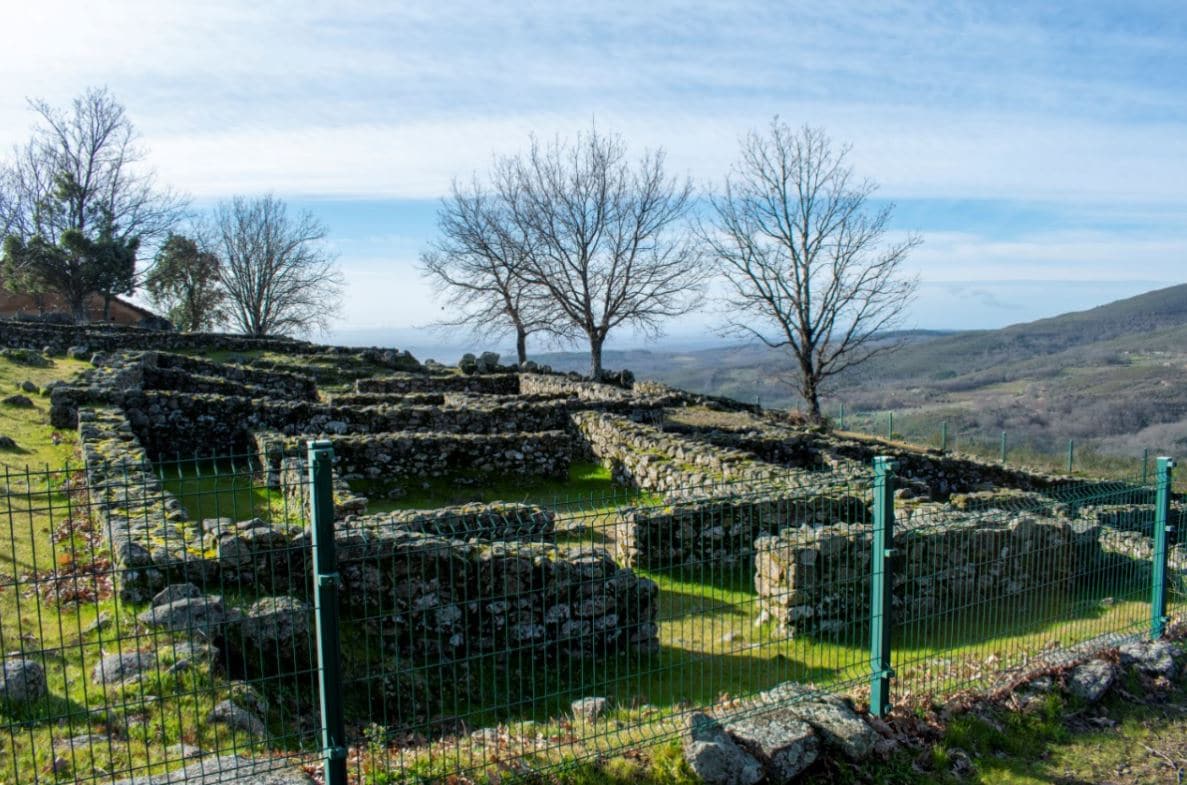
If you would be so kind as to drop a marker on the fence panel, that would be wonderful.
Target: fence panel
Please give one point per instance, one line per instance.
(139, 639)
(153, 615)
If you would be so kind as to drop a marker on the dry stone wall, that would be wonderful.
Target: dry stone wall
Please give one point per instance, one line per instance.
(170, 422)
(442, 599)
(409, 574)
(410, 454)
(722, 532)
(816, 580)
(402, 383)
(110, 338)
(641, 456)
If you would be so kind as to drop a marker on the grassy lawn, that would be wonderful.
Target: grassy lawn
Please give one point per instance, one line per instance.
(587, 489)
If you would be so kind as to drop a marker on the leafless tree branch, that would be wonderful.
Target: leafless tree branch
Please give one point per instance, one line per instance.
(804, 260)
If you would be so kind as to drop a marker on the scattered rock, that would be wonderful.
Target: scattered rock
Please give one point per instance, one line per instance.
(590, 709)
(237, 717)
(204, 615)
(1155, 658)
(28, 386)
(715, 757)
(77, 352)
(22, 681)
(6, 443)
(29, 357)
(276, 629)
(115, 670)
(174, 592)
(834, 719)
(784, 744)
(183, 655)
(18, 401)
(1090, 681)
(468, 363)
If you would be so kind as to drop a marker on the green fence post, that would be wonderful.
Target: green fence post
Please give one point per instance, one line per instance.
(1145, 465)
(944, 436)
(881, 585)
(1162, 528)
(842, 417)
(1071, 454)
(890, 425)
(1003, 446)
(325, 602)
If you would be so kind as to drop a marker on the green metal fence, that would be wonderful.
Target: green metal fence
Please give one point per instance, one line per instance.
(223, 613)
(955, 434)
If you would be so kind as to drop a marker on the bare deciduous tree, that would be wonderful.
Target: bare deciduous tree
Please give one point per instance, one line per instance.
(605, 236)
(805, 257)
(80, 183)
(83, 170)
(477, 266)
(278, 276)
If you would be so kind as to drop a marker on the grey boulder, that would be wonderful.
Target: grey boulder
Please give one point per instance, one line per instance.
(715, 756)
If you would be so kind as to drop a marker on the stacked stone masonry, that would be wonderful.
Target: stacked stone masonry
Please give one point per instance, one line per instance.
(816, 580)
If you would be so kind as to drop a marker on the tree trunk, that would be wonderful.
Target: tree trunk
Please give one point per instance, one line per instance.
(595, 357)
(78, 308)
(521, 345)
(811, 395)
(107, 308)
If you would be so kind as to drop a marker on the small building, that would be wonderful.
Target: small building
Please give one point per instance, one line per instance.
(28, 306)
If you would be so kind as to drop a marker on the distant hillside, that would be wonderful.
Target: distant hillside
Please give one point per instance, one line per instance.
(1114, 377)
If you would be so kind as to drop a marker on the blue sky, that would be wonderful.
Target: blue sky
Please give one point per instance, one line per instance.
(1040, 149)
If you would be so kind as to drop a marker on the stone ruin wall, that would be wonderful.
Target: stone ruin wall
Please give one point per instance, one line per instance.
(403, 383)
(91, 338)
(817, 580)
(454, 594)
(690, 531)
(579, 602)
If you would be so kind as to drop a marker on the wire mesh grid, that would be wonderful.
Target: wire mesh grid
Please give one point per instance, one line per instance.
(137, 638)
(170, 610)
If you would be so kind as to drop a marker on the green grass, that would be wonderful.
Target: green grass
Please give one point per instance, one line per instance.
(225, 489)
(588, 488)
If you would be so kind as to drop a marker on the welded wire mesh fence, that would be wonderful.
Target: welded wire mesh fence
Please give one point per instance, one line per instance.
(189, 612)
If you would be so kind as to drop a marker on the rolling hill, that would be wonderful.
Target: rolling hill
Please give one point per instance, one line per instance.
(1113, 377)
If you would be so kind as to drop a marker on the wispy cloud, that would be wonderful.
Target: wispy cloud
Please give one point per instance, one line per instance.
(1067, 119)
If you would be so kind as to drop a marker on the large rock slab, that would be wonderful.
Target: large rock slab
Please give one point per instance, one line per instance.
(118, 669)
(715, 756)
(1156, 658)
(189, 614)
(834, 719)
(174, 592)
(228, 770)
(783, 743)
